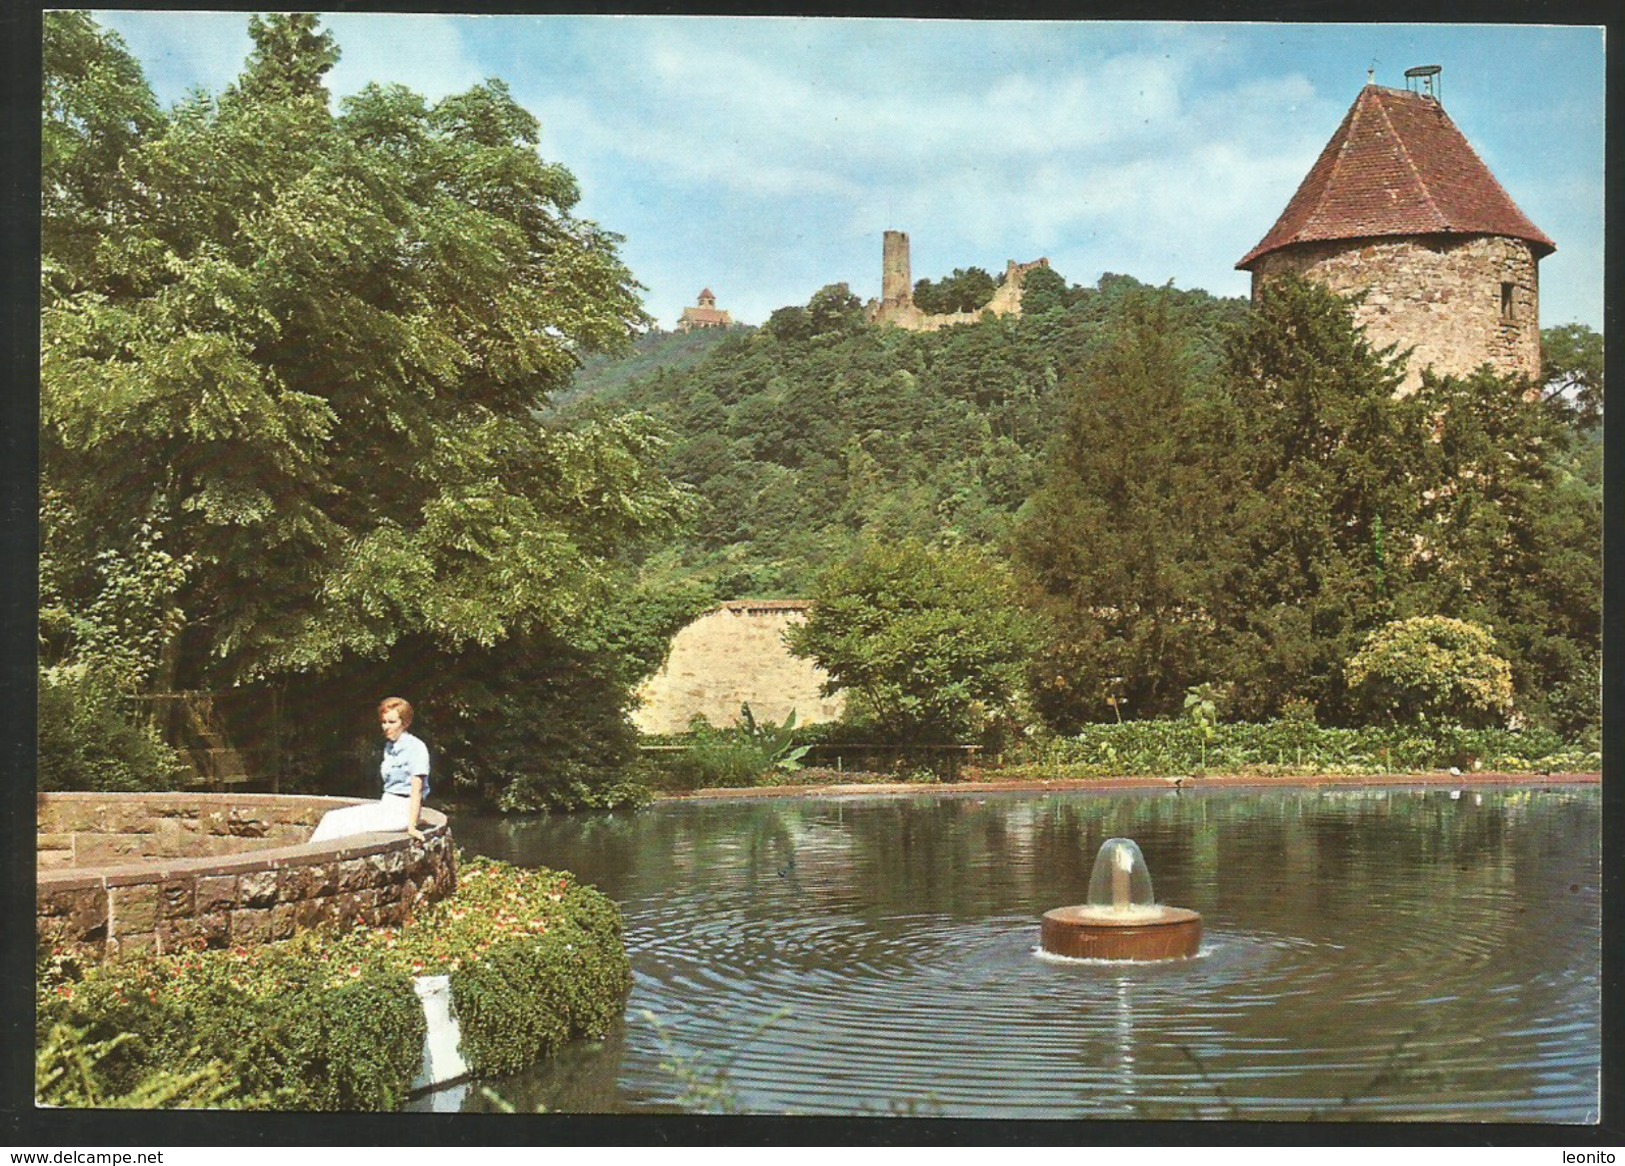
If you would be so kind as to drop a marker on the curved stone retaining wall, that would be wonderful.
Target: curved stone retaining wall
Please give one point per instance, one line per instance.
(126, 873)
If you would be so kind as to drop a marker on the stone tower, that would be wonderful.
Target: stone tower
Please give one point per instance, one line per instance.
(1400, 207)
(896, 286)
(896, 305)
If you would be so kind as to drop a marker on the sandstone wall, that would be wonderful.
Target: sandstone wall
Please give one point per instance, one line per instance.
(125, 873)
(731, 656)
(1441, 294)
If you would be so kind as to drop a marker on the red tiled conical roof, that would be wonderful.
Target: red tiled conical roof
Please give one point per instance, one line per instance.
(1398, 166)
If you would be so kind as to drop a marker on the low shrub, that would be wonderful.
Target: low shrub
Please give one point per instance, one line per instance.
(716, 762)
(1432, 668)
(69, 1067)
(328, 1020)
(90, 738)
(526, 999)
(284, 1026)
(1298, 745)
(749, 753)
(535, 959)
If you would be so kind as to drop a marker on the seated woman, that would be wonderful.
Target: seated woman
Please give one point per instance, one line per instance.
(405, 773)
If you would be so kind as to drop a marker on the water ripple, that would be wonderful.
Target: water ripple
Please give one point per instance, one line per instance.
(1379, 954)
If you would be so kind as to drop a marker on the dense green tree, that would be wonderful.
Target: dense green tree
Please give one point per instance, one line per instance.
(1043, 290)
(834, 312)
(1432, 668)
(97, 108)
(311, 349)
(788, 324)
(966, 290)
(1572, 366)
(1330, 474)
(1509, 535)
(928, 643)
(1119, 540)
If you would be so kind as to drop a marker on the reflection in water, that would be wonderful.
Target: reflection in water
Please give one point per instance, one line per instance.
(1367, 954)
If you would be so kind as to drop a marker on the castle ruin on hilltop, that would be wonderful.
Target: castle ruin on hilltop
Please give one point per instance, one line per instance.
(896, 304)
(1400, 208)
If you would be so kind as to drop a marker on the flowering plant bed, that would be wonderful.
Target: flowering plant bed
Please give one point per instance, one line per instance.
(328, 1019)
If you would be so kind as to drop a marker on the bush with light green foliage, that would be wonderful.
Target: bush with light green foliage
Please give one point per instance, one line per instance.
(1432, 668)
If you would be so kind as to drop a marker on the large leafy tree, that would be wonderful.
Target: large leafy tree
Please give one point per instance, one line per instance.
(928, 643)
(311, 348)
(1509, 535)
(97, 107)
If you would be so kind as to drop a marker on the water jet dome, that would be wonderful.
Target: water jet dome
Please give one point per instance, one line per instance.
(1122, 919)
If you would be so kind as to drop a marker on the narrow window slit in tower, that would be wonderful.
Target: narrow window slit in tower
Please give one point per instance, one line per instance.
(1506, 302)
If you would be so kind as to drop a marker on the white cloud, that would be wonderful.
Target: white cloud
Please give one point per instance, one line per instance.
(182, 51)
(764, 156)
(425, 53)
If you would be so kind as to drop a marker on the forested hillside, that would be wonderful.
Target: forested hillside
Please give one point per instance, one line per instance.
(1189, 490)
(655, 351)
(816, 429)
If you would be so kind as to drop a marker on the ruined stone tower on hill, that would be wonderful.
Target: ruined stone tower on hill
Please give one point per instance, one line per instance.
(1400, 207)
(896, 305)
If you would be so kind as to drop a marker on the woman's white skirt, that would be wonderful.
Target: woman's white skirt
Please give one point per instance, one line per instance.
(386, 815)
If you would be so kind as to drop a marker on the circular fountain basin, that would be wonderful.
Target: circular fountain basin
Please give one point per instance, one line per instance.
(1134, 933)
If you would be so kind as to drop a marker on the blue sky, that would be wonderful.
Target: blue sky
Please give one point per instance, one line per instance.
(764, 157)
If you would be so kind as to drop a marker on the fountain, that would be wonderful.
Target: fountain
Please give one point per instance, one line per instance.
(1121, 920)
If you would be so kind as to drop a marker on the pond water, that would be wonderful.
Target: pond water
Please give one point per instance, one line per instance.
(1374, 954)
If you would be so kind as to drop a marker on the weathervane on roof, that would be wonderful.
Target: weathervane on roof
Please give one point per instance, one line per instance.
(1371, 73)
(1427, 75)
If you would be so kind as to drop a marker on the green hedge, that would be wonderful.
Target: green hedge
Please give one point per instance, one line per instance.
(526, 1000)
(1164, 747)
(328, 1020)
(280, 1026)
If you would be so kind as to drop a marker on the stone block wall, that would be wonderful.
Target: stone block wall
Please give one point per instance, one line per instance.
(732, 656)
(1441, 294)
(119, 874)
